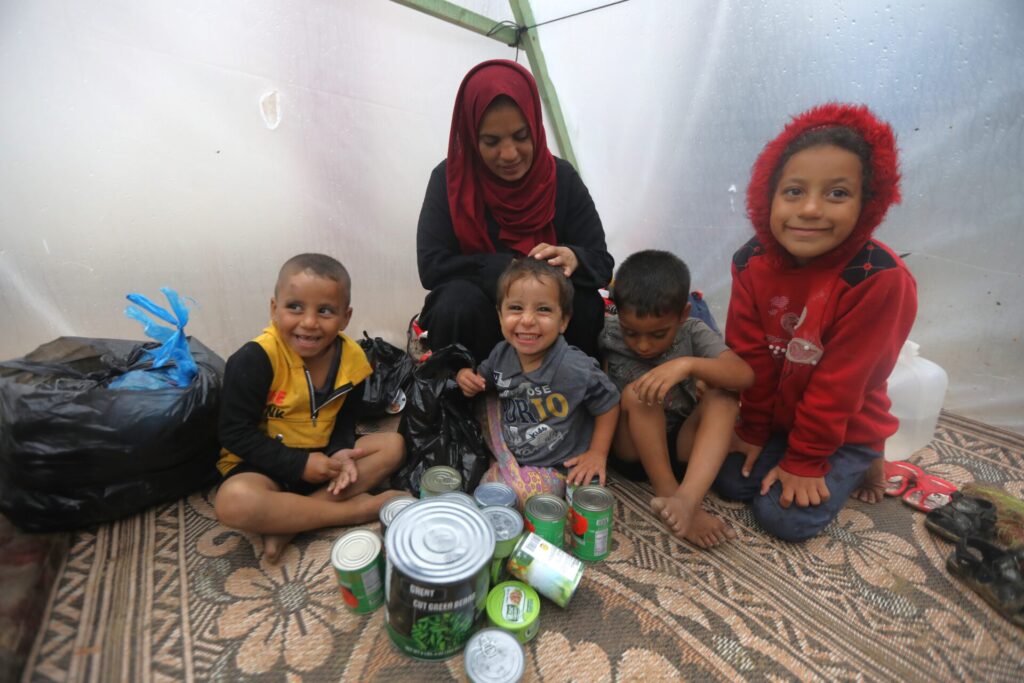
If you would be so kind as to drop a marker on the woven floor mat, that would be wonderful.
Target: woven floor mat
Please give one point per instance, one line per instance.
(171, 595)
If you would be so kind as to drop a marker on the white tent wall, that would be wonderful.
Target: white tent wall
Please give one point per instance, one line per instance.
(137, 154)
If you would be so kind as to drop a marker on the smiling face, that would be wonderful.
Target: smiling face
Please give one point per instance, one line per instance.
(817, 201)
(505, 142)
(531, 318)
(309, 311)
(650, 336)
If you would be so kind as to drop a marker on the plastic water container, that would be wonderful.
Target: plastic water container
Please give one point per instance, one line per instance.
(917, 389)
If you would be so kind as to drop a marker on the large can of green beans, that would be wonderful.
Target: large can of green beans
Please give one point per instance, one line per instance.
(438, 557)
(545, 516)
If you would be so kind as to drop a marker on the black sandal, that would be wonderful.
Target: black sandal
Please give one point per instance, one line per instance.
(961, 517)
(993, 573)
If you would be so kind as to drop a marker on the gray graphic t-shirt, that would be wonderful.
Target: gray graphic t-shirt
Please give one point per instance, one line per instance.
(547, 416)
(693, 338)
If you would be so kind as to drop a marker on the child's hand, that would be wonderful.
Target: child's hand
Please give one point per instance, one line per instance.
(750, 453)
(699, 387)
(805, 490)
(319, 468)
(348, 474)
(470, 381)
(656, 383)
(585, 467)
(556, 256)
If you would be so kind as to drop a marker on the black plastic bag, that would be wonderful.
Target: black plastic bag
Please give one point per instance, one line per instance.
(385, 389)
(438, 425)
(74, 452)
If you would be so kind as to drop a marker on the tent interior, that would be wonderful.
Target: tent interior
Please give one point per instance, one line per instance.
(198, 145)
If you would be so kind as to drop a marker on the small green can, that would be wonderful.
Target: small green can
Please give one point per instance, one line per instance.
(514, 607)
(591, 523)
(508, 527)
(359, 567)
(552, 572)
(439, 479)
(545, 516)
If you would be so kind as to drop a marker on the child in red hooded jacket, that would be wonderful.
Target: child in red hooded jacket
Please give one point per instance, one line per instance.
(820, 311)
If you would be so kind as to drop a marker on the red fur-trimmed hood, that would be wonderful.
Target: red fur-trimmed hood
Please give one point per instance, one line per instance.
(884, 188)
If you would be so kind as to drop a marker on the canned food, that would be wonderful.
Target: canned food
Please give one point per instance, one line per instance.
(514, 607)
(545, 516)
(390, 510)
(438, 554)
(439, 479)
(494, 656)
(496, 493)
(359, 568)
(508, 527)
(552, 572)
(460, 497)
(570, 489)
(591, 523)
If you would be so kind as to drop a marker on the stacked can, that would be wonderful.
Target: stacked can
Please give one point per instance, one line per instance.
(459, 497)
(494, 656)
(591, 523)
(570, 489)
(514, 607)
(438, 480)
(359, 567)
(496, 493)
(545, 516)
(390, 510)
(554, 573)
(508, 527)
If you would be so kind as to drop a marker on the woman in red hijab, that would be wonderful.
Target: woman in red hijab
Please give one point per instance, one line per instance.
(500, 195)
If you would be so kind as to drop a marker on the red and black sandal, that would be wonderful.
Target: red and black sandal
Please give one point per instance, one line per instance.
(929, 492)
(900, 477)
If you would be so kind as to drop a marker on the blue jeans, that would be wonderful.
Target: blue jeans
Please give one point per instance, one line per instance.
(849, 463)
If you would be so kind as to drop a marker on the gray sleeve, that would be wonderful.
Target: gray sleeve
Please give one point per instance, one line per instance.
(706, 342)
(601, 394)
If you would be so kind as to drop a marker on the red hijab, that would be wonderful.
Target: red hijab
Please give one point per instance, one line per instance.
(524, 209)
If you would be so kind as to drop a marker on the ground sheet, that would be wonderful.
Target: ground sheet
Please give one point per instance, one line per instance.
(170, 595)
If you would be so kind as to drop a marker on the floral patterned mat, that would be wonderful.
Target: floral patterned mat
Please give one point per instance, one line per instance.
(170, 595)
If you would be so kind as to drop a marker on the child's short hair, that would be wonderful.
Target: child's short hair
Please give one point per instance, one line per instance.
(320, 265)
(652, 282)
(531, 267)
(842, 137)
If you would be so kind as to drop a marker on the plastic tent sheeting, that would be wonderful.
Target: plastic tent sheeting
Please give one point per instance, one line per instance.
(198, 145)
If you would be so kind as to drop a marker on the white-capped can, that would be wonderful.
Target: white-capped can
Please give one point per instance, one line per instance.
(494, 656)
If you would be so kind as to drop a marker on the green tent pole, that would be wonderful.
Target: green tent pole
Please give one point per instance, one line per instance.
(465, 18)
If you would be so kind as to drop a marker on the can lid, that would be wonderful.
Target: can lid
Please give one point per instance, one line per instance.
(440, 541)
(460, 497)
(507, 522)
(513, 605)
(390, 509)
(592, 498)
(355, 549)
(441, 478)
(494, 656)
(494, 493)
(546, 506)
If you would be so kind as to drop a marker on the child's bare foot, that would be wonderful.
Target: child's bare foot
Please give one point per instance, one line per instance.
(274, 545)
(690, 522)
(872, 489)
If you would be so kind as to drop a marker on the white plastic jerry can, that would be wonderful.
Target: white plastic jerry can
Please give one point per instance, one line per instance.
(917, 389)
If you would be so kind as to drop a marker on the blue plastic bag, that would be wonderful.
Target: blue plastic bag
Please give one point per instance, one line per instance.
(171, 363)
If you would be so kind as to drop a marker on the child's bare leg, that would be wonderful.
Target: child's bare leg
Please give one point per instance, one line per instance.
(645, 431)
(872, 489)
(709, 430)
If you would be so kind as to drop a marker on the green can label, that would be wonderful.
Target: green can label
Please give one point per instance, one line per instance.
(552, 572)
(514, 607)
(359, 567)
(545, 516)
(591, 523)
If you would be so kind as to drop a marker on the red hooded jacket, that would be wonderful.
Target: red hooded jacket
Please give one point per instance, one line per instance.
(822, 338)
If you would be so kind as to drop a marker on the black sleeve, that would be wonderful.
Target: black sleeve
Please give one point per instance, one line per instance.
(344, 434)
(578, 225)
(247, 379)
(438, 255)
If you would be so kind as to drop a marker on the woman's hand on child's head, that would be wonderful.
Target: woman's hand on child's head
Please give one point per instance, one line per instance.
(348, 472)
(585, 466)
(319, 468)
(750, 453)
(470, 381)
(556, 256)
(655, 384)
(804, 490)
